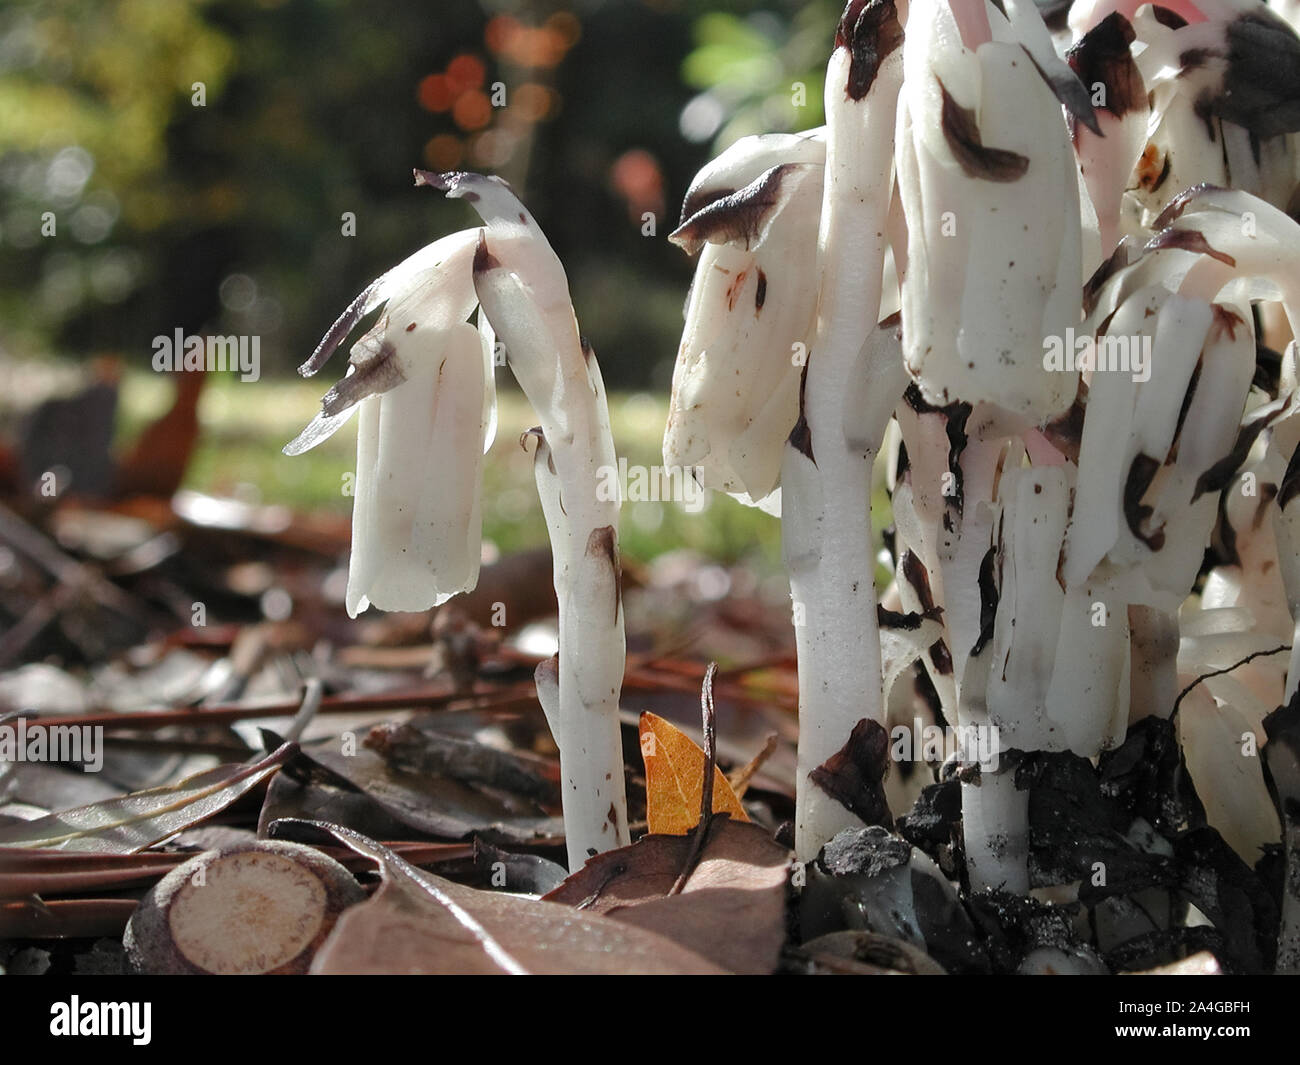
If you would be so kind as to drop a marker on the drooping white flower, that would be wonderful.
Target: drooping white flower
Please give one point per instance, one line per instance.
(422, 379)
(752, 216)
(423, 383)
(989, 189)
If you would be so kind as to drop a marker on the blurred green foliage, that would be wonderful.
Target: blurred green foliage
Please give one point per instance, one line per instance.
(761, 72)
(188, 163)
(200, 157)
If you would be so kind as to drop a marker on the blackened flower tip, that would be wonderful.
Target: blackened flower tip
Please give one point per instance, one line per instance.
(455, 184)
(484, 260)
(433, 179)
(338, 332)
(1175, 208)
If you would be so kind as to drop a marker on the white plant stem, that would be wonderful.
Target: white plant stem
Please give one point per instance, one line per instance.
(523, 290)
(853, 378)
(995, 831)
(579, 691)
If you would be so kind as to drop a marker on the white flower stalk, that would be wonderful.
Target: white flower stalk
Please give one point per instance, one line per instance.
(1221, 714)
(989, 188)
(422, 378)
(851, 383)
(994, 260)
(423, 386)
(752, 215)
(525, 294)
(921, 514)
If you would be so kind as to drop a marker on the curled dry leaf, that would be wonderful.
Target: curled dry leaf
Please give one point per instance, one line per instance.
(143, 818)
(436, 804)
(674, 779)
(418, 923)
(732, 909)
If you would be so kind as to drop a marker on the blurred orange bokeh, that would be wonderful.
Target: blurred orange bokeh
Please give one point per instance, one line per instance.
(638, 178)
(466, 72)
(444, 152)
(472, 110)
(532, 46)
(435, 93)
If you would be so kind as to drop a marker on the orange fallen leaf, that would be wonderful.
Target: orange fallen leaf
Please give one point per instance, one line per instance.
(674, 779)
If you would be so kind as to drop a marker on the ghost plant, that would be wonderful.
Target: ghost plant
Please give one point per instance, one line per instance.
(1063, 453)
(850, 383)
(422, 380)
(993, 266)
(751, 215)
(783, 382)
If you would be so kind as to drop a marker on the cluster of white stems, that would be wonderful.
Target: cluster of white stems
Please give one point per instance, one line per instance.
(886, 287)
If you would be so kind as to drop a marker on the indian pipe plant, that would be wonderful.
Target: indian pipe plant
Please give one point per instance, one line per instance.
(1050, 279)
(1061, 453)
(422, 379)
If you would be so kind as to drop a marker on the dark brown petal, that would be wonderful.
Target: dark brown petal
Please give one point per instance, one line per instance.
(1218, 476)
(988, 586)
(916, 575)
(871, 31)
(1168, 17)
(1187, 240)
(1140, 475)
(736, 217)
(963, 137)
(941, 658)
(484, 260)
(1069, 91)
(1102, 56)
(801, 434)
(1119, 259)
(1261, 88)
(1290, 485)
(337, 333)
(379, 373)
(1175, 208)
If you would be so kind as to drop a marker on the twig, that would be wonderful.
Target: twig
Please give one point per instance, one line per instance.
(311, 702)
(1226, 669)
(333, 704)
(739, 780)
(41, 550)
(701, 830)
